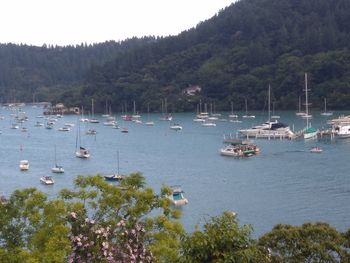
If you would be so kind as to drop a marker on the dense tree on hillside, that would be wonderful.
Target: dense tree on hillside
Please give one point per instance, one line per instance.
(238, 52)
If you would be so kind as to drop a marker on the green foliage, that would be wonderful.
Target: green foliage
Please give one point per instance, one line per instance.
(311, 242)
(33, 228)
(128, 222)
(222, 240)
(130, 202)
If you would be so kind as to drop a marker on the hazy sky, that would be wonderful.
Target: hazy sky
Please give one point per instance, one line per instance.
(65, 22)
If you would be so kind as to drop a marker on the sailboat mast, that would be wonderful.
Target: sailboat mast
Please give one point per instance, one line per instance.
(92, 108)
(118, 162)
(269, 106)
(55, 157)
(306, 102)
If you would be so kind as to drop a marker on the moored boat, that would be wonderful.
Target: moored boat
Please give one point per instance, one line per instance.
(82, 153)
(240, 149)
(47, 180)
(176, 127)
(177, 197)
(24, 165)
(316, 150)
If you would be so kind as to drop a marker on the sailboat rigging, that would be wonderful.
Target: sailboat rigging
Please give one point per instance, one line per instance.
(117, 176)
(57, 168)
(309, 132)
(80, 152)
(326, 113)
(246, 111)
(149, 122)
(93, 119)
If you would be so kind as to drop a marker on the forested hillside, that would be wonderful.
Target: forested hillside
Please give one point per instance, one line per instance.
(232, 56)
(44, 73)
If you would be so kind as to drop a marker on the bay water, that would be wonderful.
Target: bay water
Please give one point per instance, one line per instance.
(285, 183)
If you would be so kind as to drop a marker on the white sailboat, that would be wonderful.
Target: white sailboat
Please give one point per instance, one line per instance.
(247, 116)
(135, 115)
(148, 122)
(166, 116)
(274, 116)
(326, 113)
(93, 119)
(232, 115)
(57, 168)
(80, 151)
(269, 129)
(300, 113)
(116, 176)
(309, 132)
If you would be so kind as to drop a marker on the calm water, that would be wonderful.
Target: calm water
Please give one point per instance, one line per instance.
(284, 184)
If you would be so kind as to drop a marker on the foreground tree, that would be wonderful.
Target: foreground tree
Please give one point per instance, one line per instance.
(113, 223)
(33, 228)
(311, 242)
(128, 222)
(222, 240)
(96, 222)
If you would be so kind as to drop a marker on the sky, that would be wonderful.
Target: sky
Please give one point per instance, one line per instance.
(72, 22)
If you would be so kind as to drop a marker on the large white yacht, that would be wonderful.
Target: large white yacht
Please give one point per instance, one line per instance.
(269, 129)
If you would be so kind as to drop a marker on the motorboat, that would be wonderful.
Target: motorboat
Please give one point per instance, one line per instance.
(341, 130)
(177, 197)
(24, 165)
(64, 129)
(198, 120)
(149, 123)
(208, 124)
(176, 127)
(316, 150)
(269, 129)
(124, 130)
(47, 180)
(91, 132)
(240, 149)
